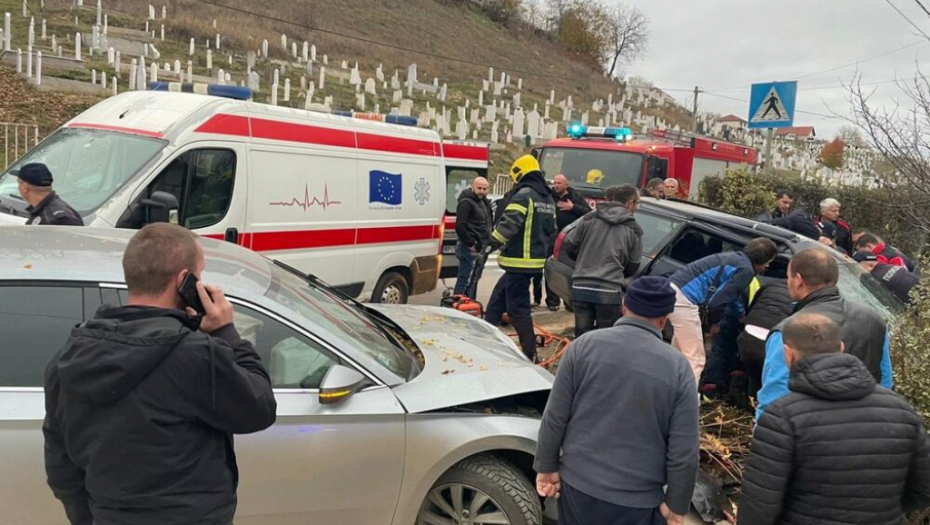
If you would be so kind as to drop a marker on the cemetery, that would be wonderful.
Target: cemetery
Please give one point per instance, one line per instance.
(86, 49)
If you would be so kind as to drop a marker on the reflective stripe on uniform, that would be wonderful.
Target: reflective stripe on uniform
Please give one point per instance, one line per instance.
(527, 231)
(754, 288)
(498, 237)
(516, 207)
(515, 262)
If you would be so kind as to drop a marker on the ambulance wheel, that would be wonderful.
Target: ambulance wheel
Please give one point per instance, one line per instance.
(391, 289)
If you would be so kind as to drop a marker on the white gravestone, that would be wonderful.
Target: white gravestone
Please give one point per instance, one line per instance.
(77, 46)
(370, 87)
(287, 90)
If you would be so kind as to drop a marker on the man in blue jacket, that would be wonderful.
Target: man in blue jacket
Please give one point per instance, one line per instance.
(812, 277)
(715, 283)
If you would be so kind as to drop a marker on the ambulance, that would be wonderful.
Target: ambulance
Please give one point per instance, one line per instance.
(356, 202)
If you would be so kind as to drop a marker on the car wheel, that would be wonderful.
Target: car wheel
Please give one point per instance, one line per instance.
(391, 289)
(481, 490)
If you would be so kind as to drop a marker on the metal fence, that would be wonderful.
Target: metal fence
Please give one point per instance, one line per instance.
(502, 184)
(17, 140)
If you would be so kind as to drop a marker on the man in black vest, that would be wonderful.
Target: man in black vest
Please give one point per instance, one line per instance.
(473, 220)
(812, 277)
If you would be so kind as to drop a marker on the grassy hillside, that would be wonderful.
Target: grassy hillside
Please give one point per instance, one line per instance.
(446, 28)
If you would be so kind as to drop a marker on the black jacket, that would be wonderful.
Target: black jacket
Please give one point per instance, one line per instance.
(897, 279)
(526, 228)
(140, 413)
(862, 329)
(771, 304)
(837, 450)
(800, 222)
(473, 220)
(54, 211)
(564, 218)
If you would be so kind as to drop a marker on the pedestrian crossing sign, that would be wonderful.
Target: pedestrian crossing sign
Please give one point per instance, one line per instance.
(771, 105)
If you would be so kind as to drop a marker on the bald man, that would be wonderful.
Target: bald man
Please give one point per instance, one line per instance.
(571, 204)
(672, 188)
(473, 224)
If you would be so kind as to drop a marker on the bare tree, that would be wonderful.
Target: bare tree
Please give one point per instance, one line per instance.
(851, 136)
(556, 10)
(901, 133)
(628, 36)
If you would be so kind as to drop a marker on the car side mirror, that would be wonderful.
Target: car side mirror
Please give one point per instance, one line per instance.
(535, 152)
(160, 207)
(339, 383)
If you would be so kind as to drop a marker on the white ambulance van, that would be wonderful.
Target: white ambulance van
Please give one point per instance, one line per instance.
(356, 202)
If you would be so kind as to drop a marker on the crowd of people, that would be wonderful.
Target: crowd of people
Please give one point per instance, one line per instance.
(619, 437)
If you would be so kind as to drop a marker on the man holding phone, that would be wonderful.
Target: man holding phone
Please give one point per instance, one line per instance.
(143, 400)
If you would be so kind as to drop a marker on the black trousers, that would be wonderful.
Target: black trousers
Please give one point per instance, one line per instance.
(512, 295)
(724, 354)
(578, 508)
(552, 299)
(591, 316)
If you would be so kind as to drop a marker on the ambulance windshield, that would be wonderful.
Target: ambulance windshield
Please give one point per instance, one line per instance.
(593, 170)
(88, 165)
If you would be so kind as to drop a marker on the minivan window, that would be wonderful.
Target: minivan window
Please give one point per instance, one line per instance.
(655, 230)
(202, 181)
(88, 165)
(35, 322)
(457, 181)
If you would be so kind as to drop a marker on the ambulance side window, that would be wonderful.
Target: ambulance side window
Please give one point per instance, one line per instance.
(202, 180)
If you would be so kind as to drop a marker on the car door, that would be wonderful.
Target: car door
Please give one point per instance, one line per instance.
(318, 464)
(694, 242)
(35, 320)
(209, 181)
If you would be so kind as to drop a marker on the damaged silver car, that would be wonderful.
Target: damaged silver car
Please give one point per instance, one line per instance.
(386, 414)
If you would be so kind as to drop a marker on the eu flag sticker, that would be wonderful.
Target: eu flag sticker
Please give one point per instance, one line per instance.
(384, 187)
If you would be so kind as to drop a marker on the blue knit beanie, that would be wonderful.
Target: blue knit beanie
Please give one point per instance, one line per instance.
(650, 297)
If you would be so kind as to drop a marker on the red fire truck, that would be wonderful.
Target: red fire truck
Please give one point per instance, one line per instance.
(594, 158)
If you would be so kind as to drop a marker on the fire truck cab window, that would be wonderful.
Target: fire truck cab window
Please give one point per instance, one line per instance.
(658, 167)
(591, 168)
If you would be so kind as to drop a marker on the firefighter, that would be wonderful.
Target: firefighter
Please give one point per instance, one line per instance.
(524, 235)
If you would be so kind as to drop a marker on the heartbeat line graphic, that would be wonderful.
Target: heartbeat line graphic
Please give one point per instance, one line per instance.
(307, 201)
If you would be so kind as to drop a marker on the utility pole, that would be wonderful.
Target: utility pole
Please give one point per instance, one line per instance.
(697, 90)
(769, 138)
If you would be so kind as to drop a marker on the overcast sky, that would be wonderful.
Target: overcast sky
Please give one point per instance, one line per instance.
(724, 44)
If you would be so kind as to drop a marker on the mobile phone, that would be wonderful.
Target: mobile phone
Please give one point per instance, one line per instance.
(188, 292)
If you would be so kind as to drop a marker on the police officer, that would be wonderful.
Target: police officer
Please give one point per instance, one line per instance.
(523, 234)
(45, 206)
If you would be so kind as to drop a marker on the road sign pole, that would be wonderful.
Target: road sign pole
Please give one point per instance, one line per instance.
(769, 138)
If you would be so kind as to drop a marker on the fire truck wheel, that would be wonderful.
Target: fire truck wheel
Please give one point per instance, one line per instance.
(391, 289)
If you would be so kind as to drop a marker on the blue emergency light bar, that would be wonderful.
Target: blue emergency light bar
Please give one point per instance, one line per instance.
(577, 131)
(377, 117)
(216, 90)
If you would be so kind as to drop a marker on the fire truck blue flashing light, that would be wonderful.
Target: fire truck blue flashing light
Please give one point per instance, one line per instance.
(576, 131)
(216, 90)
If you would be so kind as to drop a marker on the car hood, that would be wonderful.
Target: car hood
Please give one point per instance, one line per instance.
(7, 219)
(466, 360)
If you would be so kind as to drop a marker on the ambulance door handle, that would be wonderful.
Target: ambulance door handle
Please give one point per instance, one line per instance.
(232, 235)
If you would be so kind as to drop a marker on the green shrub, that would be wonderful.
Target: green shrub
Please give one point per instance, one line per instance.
(748, 195)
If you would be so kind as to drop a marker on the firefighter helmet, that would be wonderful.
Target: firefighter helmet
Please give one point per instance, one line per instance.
(522, 166)
(594, 176)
